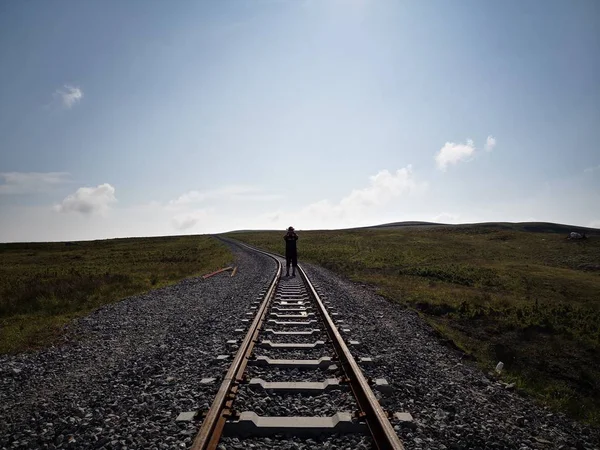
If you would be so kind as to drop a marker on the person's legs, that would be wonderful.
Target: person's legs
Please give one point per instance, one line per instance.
(294, 264)
(288, 260)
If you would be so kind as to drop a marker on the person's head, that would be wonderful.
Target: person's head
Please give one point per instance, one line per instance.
(290, 229)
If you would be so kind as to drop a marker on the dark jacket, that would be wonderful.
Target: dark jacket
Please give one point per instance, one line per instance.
(290, 244)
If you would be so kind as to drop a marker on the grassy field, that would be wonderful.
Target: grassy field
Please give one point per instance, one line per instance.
(530, 299)
(43, 286)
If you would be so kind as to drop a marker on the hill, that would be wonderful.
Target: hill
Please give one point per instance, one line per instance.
(519, 293)
(536, 227)
(44, 285)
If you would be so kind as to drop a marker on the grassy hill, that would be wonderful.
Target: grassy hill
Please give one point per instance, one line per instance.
(520, 293)
(45, 285)
(540, 227)
(517, 292)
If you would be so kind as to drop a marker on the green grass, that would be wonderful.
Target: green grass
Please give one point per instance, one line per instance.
(44, 286)
(499, 292)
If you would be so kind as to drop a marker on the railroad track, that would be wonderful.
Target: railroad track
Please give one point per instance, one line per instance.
(293, 354)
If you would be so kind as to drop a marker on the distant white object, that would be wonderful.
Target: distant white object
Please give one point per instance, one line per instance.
(499, 367)
(575, 235)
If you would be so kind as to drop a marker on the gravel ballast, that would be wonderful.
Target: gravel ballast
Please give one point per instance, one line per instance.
(277, 404)
(453, 403)
(281, 374)
(332, 442)
(126, 371)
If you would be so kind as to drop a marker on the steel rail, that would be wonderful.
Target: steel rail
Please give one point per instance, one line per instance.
(211, 429)
(384, 435)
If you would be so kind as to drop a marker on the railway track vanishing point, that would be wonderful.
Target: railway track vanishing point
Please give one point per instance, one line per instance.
(291, 310)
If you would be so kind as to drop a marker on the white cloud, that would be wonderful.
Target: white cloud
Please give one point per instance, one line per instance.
(89, 200)
(236, 192)
(30, 182)
(357, 208)
(69, 95)
(568, 203)
(189, 197)
(490, 143)
(446, 218)
(452, 153)
(594, 224)
(591, 169)
(383, 187)
(188, 220)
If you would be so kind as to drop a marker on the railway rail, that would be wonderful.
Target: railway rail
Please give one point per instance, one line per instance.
(299, 340)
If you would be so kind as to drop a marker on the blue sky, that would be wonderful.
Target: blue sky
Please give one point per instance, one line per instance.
(151, 117)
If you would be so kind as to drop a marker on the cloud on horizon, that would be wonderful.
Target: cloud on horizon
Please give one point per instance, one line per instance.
(88, 200)
(446, 218)
(234, 192)
(383, 188)
(30, 182)
(188, 220)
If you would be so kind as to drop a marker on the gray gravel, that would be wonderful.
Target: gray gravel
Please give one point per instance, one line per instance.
(126, 371)
(295, 405)
(276, 353)
(304, 325)
(333, 442)
(278, 374)
(454, 404)
(275, 404)
(322, 336)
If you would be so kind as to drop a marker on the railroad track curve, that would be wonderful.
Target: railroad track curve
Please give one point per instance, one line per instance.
(292, 352)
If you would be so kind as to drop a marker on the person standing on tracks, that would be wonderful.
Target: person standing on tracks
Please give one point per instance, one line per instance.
(291, 253)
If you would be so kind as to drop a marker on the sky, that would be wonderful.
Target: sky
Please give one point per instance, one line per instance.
(145, 118)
